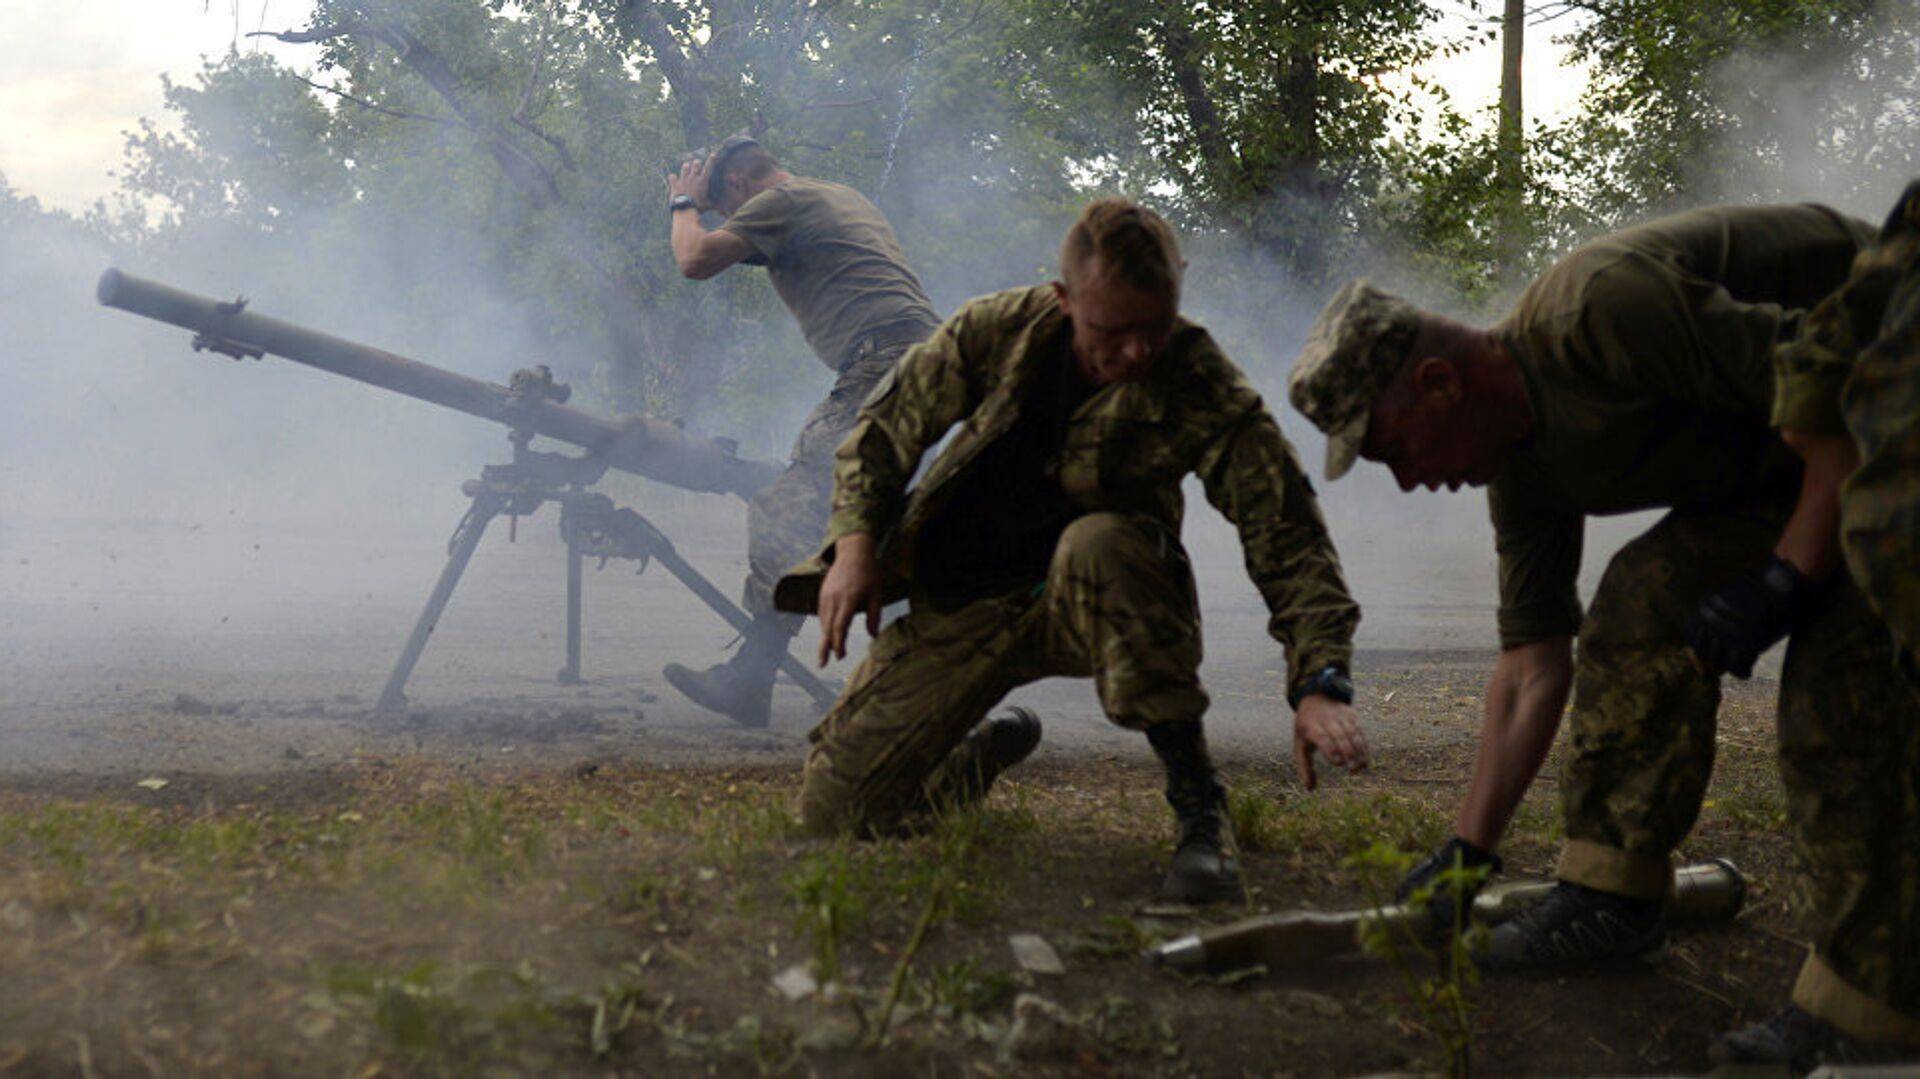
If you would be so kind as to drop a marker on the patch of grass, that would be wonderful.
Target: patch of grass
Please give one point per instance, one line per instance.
(832, 900)
(964, 988)
(1441, 999)
(480, 827)
(1255, 816)
(1115, 936)
(1339, 822)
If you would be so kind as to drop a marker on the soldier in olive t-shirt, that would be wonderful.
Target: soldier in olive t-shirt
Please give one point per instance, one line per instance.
(836, 264)
(1633, 375)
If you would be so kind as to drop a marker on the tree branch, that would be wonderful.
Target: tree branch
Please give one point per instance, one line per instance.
(646, 24)
(384, 110)
(525, 123)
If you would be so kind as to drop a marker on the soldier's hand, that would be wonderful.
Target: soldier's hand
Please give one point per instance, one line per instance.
(1324, 724)
(690, 181)
(1731, 627)
(1451, 877)
(852, 586)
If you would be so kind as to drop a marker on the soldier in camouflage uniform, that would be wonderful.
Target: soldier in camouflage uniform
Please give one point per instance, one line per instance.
(837, 266)
(1634, 374)
(1848, 400)
(1045, 541)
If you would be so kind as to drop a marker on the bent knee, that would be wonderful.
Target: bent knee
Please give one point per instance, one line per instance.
(1104, 536)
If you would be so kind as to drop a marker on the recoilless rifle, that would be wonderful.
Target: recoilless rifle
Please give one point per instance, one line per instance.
(532, 404)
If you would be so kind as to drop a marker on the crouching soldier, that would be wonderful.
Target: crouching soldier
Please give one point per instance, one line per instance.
(1045, 540)
(1848, 401)
(1634, 374)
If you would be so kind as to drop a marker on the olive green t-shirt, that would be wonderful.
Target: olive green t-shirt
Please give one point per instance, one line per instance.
(1646, 356)
(836, 264)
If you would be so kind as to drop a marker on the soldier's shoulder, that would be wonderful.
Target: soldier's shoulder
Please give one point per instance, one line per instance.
(1203, 370)
(1905, 216)
(1009, 308)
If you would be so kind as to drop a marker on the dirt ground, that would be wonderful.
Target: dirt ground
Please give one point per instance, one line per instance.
(214, 858)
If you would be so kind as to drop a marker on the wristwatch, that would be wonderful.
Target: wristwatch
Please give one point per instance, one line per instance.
(1330, 682)
(681, 202)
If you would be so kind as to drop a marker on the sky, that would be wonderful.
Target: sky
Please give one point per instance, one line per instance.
(76, 75)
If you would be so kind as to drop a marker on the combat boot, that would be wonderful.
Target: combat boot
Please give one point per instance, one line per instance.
(742, 687)
(988, 750)
(1574, 924)
(1204, 868)
(1800, 1041)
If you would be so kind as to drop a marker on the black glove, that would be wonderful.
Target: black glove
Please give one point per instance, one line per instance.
(1733, 626)
(1442, 904)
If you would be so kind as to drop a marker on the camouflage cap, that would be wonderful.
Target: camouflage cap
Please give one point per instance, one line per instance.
(1356, 346)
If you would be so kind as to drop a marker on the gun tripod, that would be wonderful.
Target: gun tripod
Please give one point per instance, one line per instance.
(592, 526)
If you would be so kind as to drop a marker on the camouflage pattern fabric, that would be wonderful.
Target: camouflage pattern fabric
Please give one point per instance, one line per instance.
(1855, 369)
(1353, 352)
(786, 520)
(1850, 760)
(1849, 709)
(1126, 450)
(1643, 716)
(1118, 604)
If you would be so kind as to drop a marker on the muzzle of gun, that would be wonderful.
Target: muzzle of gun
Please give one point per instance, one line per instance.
(1705, 893)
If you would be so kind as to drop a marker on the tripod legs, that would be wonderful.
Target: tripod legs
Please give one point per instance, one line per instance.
(466, 537)
(570, 674)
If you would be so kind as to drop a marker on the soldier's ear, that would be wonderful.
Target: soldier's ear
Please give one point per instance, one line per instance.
(1434, 376)
(1061, 294)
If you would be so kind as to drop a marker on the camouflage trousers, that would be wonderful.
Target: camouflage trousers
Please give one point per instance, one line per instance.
(1643, 724)
(787, 520)
(1118, 604)
(1850, 761)
(1643, 716)
(1880, 503)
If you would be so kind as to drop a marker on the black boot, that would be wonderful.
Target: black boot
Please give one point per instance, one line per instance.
(988, 750)
(1574, 924)
(741, 688)
(1800, 1041)
(1204, 869)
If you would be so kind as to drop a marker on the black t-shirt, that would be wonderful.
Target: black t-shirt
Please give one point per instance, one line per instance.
(997, 532)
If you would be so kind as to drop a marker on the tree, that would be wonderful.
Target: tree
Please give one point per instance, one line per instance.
(1751, 99)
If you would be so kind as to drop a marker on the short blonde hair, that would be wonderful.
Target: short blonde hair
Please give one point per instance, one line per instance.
(1134, 245)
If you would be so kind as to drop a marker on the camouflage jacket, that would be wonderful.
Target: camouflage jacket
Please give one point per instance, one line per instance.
(1127, 450)
(1855, 369)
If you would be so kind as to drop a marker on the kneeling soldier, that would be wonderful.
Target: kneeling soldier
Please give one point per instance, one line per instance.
(1045, 541)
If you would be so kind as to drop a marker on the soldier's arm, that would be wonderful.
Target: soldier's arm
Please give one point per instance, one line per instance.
(1253, 478)
(1539, 552)
(700, 253)
(1733, 626)
(936, 385)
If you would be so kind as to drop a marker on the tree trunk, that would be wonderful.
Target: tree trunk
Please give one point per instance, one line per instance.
(1510, 181)
(1305, 220)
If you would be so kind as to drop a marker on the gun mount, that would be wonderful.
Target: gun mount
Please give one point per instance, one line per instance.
(531, 404)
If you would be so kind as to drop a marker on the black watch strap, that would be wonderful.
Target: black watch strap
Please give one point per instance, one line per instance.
(681, 202)
(1330, 682)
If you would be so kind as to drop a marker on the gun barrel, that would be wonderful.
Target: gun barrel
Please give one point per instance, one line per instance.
(644, 446)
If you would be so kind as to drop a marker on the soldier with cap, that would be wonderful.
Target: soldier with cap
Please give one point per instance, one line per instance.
(1634, 374)
(1045, 541)
(1848, 402)
(837, 265)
